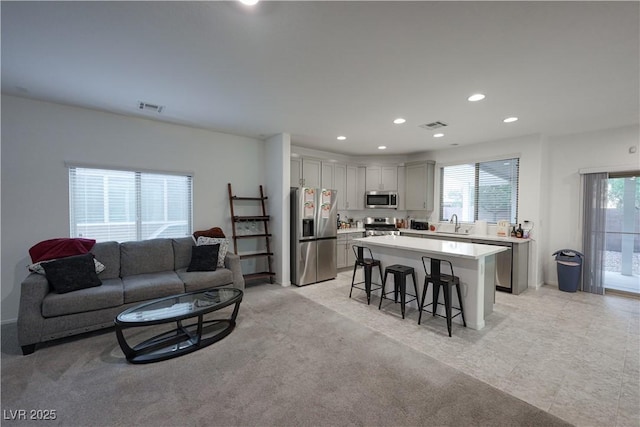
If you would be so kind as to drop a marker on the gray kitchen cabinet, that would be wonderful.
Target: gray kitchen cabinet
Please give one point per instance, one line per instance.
(340, 184)
(341, 253)
(401, 188)
(355, 177)
(305, 172)
(296, 172)
(345, 255)
(419, 181)
(381, 178)
(326, 176)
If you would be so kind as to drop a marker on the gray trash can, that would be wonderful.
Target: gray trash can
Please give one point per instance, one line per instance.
(569, 269)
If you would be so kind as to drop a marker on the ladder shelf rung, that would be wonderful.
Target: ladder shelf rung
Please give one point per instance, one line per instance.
(249, 236)
(245, 256)
(249, 198)
(263, 274)
(239, 218)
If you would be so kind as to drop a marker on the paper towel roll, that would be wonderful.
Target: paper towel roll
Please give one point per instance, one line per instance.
(481, 228)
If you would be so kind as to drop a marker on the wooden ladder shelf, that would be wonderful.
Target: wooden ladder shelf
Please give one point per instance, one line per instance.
(262, 234)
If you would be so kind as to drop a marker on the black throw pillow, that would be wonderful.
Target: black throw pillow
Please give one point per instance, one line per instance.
(72, 273)
(204, 258)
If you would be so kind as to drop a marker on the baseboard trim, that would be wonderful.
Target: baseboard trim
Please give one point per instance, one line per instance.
(619, 293)
(8, 321)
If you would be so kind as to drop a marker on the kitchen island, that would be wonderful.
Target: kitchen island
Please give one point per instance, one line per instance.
(473, 263)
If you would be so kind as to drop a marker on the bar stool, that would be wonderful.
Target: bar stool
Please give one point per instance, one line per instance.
(446, 281)
(400, 273)
(367, 264)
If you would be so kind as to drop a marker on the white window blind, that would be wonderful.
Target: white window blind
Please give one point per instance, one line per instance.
(480, 191)
(127, 205)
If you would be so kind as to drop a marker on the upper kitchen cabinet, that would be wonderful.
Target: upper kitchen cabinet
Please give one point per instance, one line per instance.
(381, 178)
(355, 188)
(339, 184)
(419, 181)
(296, 172)
(306, 172)
(327, 175)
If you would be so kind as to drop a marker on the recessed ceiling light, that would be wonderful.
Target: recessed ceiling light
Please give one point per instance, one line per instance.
(510, 119)
(476, 97)
(341, 138)
(438, 135)
(399, 121)
(249, 2)
(382, 147)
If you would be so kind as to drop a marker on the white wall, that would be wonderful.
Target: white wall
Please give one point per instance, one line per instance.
(278, 184)
(607, 150)
(529, 149)
(38, 137)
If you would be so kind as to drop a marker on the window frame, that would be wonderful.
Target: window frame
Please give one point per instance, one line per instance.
(476, 188)
(138, 196)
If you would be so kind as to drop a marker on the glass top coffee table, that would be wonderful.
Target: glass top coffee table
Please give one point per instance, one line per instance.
(185, 338)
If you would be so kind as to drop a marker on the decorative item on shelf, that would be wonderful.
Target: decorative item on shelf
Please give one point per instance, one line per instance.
(527, 227)
(503, 228)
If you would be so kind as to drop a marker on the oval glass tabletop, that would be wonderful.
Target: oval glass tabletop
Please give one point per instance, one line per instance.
(180, 306)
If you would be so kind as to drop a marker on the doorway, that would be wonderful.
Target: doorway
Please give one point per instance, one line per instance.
(622, 234)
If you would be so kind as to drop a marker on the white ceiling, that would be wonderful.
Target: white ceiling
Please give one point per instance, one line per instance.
(321, 69)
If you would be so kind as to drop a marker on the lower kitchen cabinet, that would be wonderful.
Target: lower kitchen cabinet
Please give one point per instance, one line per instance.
(345, 255)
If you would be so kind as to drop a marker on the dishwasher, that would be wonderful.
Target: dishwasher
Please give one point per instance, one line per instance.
(504, 263)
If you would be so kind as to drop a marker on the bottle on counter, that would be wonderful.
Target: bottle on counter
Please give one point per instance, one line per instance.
(519, 231)
(513, 231)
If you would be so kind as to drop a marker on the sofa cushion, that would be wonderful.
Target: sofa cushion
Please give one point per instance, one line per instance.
(198, 280)
(108, 253)
(182, 252)
(146, 256)
(224, 246)
(108, 295)
(204, 258)
(142, 287)
(72, 273)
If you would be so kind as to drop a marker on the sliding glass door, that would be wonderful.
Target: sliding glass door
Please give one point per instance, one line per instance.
(622, 233)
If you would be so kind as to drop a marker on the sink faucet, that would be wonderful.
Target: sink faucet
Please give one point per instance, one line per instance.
(457, 226)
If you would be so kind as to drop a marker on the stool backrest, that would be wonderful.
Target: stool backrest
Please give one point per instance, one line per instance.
(435, 267)
(361, 254)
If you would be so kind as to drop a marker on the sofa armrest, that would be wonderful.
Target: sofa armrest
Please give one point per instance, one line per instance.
(32, 292)
(232, 262)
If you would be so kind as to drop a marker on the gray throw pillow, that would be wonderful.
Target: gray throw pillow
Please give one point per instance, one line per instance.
(72, 273)
(204, 258)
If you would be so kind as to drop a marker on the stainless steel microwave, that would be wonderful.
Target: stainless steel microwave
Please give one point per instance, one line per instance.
(381, 199)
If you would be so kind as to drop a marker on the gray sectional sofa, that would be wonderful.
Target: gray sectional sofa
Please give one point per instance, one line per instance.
(135, 272)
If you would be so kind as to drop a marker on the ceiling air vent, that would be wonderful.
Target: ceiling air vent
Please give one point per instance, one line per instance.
(433, 125)
(152, 108)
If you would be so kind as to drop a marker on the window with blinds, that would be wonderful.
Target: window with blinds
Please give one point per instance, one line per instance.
(480, 191)
(108, 205)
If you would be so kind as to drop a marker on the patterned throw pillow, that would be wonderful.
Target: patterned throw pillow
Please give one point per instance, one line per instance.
(39, 269)
(224, 246)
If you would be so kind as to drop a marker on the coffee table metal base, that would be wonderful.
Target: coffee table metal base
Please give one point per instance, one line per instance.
(182, 340)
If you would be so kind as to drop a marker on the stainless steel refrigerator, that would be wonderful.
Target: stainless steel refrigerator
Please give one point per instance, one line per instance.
(314, 234)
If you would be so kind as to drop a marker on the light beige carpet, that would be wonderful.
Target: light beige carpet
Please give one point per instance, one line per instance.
(289, 362)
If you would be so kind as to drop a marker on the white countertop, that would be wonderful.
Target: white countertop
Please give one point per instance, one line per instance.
(491, 237)
(440, 247)
(350, 230)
